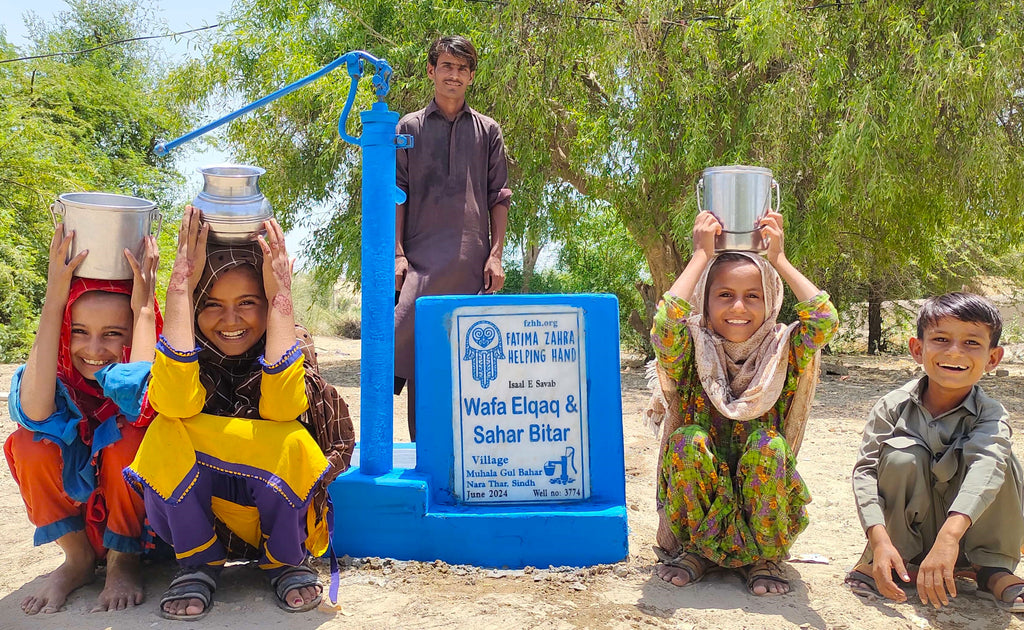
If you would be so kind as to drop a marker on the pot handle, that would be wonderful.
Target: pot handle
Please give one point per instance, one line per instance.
(159, 223)
(700, 189)
(778, 196)
(54, 212)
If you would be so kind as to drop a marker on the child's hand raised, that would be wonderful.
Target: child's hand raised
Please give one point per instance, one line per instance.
(144, 283)
(191, 256)
(773, 235)
(60, 271)
(277, 268)
(705, 228)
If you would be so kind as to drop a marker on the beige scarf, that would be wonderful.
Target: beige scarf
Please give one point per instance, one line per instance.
(742, 380)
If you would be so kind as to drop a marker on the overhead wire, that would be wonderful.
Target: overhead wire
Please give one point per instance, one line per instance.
(109, 44)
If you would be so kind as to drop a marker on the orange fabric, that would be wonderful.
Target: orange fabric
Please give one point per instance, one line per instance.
(36, 468)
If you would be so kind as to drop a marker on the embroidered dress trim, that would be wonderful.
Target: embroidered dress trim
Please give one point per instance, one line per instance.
(183, 357)
(289, 357)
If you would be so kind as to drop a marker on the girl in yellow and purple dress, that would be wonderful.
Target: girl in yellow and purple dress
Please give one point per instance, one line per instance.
(229, 467)
(736, 389)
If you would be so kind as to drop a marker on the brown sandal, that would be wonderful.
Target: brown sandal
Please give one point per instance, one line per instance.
(766, 570)
(1005, 589)
(695, 565)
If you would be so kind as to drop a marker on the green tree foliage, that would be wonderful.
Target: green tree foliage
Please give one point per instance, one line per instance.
(894, 127)
(71, 123)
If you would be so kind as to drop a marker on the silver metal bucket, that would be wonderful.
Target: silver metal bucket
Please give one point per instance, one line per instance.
(106, 224)
(739, 197)
(232, 203)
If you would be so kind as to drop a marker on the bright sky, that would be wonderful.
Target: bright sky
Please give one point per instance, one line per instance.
(177, 15)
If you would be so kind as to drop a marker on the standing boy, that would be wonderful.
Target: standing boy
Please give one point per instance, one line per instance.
(450, 233)
(936, 481)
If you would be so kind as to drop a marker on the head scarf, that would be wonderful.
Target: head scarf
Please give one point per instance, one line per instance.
(87, 394)
(232, 383)
(743, 380)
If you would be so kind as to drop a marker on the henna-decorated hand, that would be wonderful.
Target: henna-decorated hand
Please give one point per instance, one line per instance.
(191, 256)
(277, 268)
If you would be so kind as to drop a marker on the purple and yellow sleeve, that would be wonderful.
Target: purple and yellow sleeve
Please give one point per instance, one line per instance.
(283, 388)
(174, 387)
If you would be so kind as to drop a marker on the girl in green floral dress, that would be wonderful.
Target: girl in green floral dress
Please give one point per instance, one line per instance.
(736, 389)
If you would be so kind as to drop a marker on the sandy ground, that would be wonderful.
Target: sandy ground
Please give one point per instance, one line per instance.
(382, 593)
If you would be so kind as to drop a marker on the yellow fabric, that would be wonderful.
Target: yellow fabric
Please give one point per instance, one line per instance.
(283, 395)
(318, 537)
(174, 387)
(243, 520)
(283, 450)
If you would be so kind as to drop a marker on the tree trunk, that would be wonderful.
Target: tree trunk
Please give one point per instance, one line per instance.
(874, 321)
(531, 252)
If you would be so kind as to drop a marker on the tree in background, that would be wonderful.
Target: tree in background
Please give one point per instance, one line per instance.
(76, 122)
(894, 127)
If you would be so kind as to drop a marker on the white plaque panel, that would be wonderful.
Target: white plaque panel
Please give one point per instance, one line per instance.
(520, 415)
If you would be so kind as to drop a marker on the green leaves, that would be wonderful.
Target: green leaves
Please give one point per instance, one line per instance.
(75, 122)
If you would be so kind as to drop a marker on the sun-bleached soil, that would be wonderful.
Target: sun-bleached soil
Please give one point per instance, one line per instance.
(383, 593)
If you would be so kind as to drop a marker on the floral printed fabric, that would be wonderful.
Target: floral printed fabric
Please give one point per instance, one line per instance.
(730, 489)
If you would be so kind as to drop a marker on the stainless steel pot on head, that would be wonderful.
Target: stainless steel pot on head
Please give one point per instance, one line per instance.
(231, 202)
(739, 197)
(106, 224)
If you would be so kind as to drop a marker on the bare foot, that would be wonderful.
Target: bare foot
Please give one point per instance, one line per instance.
(123, 587)
(78, 569)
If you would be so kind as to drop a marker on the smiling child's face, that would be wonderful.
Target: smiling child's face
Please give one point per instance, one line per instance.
(735, 306)
(234, 316)
(101, 326)
(955, 354)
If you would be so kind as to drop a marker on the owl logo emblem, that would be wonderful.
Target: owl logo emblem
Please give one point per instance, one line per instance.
(483, 349)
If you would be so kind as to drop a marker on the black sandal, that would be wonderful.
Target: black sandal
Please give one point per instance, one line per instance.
(695, 565)
(296, 577)
(190, 583)
(766, 571)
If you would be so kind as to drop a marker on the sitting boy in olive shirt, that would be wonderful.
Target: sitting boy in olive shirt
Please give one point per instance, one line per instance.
(936, 480)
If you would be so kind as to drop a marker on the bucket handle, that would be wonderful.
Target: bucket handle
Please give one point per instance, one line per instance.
(54, 212)
(159, 221)
(700, 189)
(778, 195)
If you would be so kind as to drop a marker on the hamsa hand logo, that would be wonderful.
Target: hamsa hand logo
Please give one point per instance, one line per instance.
(483, 349)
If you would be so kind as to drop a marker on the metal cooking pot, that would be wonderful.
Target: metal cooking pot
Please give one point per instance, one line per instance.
(106, 225)
(739, 197)
(231, 202)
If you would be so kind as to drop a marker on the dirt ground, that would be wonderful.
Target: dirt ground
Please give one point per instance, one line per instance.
(382, 593)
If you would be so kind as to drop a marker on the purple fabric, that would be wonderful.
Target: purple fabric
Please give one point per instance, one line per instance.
(190, 523)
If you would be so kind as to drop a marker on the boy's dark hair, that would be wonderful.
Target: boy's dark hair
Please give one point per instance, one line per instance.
(967, 307)
(455, 45)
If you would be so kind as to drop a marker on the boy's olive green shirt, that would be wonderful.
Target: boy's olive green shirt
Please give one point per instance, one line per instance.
(979, 427)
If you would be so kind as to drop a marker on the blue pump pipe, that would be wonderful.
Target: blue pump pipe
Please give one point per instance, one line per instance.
(379, 143)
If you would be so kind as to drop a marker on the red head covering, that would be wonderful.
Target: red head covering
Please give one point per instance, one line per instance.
(87, 394)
